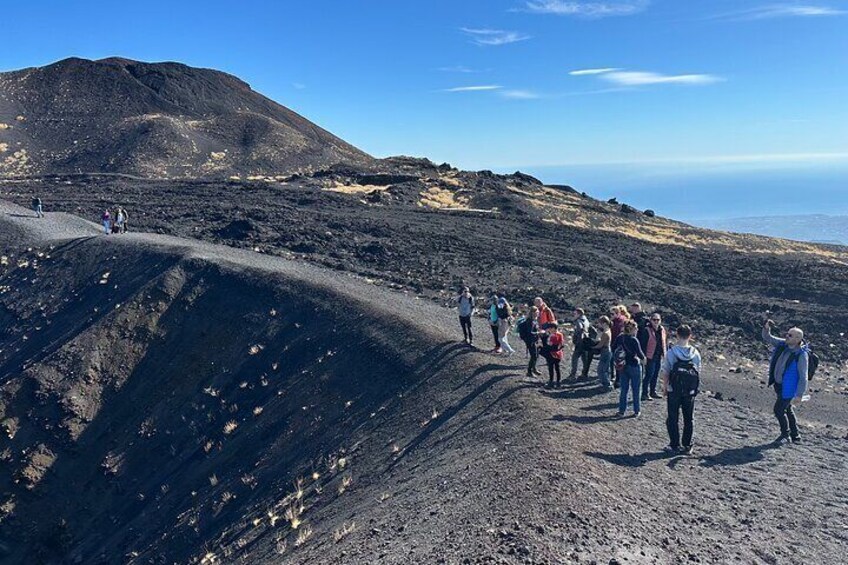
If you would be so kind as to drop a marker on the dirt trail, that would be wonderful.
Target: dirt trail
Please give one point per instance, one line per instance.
(178, 410)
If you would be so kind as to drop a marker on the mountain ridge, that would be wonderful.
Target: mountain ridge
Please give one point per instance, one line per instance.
(159, 120)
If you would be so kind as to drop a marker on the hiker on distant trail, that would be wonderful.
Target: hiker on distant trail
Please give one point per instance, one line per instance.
(654, 342)
(638, 315)
(119, 221)
(552, 345)
(493, 322)
(680, 380)
(546, 315)
(465, 302)
(528, 331)
(126, 225)
(505, 325)
(789, 372)
(582, 349)
(629, 359)
(106, 220)
(37, 207)
(604, 350)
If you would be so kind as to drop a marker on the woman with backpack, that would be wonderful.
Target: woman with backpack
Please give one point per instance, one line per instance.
(106, 221)
(505, 319)
(528, 331)
(552, 346)
(629, 359)
(493, 323)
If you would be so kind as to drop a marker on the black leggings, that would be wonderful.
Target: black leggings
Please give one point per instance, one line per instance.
(533, 351)
(495, 335)
(784, 413)
(553, 367)
(465, 322)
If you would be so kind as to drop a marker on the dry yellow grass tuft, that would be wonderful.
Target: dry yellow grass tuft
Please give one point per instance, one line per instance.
(344, 531)
(437, 197)
(355, 188)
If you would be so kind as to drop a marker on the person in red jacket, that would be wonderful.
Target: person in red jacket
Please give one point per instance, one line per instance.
(546, 315)
(552, 345)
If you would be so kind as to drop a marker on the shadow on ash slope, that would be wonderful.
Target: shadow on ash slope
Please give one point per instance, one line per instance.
(164, 401)
(160, 397)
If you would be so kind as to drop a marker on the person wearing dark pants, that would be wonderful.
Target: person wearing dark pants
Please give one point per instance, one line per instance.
(681, 357)
(789, 372)
(579, 339)
(653, 340)
(528, 330)
(552, 344)
(785, 415)
(493, 323)
(465, 302)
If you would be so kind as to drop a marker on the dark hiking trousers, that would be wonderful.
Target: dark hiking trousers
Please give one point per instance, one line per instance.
(465, 322)
(676, 405)
(533, 351)
(495, 335)
(553, 367)
(585, 356)
(785, 414)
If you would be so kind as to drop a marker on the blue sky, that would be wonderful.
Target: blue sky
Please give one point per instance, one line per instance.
(491, 84)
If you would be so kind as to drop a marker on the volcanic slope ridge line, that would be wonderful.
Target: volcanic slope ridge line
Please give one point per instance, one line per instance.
(216, 398)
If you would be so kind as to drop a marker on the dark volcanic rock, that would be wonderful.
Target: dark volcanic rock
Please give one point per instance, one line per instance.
(153, 120)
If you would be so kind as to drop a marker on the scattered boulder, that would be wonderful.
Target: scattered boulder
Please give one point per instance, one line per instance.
(628, 209)
(612, 201)
(650, 213)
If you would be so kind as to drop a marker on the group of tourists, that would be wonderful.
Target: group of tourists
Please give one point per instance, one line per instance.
(114, 222)
(637, 355)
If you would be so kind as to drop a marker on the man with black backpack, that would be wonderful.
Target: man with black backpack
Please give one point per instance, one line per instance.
(791, 367)
(681, 378)
(583, 343)
(528, 331)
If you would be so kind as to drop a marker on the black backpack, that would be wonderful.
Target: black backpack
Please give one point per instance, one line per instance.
(590, 338)
(525, 329)
(685, 379)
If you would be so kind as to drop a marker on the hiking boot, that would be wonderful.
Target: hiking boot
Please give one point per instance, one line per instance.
(656, 395)
(782, 440)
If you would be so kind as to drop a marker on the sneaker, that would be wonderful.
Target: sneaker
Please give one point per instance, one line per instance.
(637, 414)
(670, 449)
(796, 439)
(782, 440)
(656, 395)
(621, 414)
(686, 450)
(537, 372)
(646, 398)
(497, 350)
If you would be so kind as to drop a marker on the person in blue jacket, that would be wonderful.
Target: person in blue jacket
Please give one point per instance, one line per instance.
(788, 374)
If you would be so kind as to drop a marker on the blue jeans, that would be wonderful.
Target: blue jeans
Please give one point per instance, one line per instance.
(652, 373)
(631, 379)
(604, 364)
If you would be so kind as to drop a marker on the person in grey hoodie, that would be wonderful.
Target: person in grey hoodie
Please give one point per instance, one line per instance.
(578, 339)
(465, 301)
(788, 374)
(680, 353)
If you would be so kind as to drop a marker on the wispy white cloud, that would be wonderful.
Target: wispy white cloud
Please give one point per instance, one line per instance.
(490, 37)
(474, 88)
(642, 78)
(785, 10)
(298, 86)
(586, 9)
(584, 72)
(520, 94)
(459, 69)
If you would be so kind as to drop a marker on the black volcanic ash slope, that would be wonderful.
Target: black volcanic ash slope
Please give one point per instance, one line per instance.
(153, 120)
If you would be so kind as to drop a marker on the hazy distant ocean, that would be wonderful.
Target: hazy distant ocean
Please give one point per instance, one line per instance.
(711, 192)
